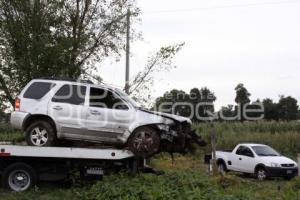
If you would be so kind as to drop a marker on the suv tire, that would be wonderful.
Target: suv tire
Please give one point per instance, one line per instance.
(40, 133)
(144, 142)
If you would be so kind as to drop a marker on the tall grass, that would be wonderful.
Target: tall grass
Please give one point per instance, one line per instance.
(283, 136)
(9, 134)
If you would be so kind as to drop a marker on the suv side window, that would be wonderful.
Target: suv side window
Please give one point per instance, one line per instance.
(72, 94)
(37, 90)
(106, 99)
(244, 151)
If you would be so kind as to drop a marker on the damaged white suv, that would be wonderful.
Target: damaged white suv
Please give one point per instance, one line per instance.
(51, 109)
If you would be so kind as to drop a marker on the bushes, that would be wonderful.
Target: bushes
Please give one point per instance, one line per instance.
(7, 133)
(283, 136)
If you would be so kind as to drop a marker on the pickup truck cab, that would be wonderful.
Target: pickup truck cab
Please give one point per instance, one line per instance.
(258, 159)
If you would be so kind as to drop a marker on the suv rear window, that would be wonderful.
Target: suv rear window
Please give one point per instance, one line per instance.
(37, 90)
(72, 94)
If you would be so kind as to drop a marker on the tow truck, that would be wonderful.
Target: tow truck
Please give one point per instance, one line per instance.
(21, 167)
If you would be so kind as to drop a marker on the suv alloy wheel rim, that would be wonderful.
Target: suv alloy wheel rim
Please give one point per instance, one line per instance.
(39, 136)
(19, 180)
(144, 141)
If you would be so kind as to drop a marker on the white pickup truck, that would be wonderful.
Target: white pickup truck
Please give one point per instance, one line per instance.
(258, 159)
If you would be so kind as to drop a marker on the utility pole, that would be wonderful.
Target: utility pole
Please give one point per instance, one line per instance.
(127, 51)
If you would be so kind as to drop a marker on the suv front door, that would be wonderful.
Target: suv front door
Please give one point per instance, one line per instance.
(108, 115)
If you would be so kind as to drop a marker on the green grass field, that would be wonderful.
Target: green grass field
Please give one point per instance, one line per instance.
(187, 177)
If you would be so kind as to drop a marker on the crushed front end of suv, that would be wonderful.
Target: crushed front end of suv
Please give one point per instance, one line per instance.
(49, 110)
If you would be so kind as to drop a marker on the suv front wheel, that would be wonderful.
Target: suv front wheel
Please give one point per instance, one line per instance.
(144, 142)
(40, 133)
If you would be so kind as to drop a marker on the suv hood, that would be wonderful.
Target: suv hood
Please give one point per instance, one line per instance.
(169, 116)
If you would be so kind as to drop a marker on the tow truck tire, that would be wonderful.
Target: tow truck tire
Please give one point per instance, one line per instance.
(145, 142)
(40, 133)
(19, 177)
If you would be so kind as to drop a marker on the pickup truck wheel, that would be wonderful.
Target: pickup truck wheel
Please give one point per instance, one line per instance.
(222, 168)
(261, 174)
(19, 177)
(40, 133)
(144, 142)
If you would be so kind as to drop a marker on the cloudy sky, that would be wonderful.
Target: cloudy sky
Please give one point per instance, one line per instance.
(227, 42)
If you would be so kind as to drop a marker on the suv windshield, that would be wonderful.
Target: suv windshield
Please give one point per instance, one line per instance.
(265, 151)
(125, 96)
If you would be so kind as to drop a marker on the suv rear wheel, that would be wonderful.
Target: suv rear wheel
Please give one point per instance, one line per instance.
(40, 133)
(144, 142)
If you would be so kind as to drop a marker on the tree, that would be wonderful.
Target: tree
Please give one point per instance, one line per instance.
(167, 103)
(271, 109)
(227, 111)
(287, 108)
(57, 38)
(158, 62)
(181, 103)
(242, 97)
(202, 101)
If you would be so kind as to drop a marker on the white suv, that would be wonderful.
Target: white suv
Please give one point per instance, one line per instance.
(52, 109)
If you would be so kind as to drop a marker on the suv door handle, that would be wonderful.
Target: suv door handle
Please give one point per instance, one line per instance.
(57, 108)
(240, 158)
(95, 112)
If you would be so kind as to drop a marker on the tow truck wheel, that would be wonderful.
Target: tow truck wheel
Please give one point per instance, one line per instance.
(144, 142)
(40, 133)
(19, 177)
(261, 174)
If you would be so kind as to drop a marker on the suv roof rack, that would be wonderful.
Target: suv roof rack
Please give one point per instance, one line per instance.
(66, 79)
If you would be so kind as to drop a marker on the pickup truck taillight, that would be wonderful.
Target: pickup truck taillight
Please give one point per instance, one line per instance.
(17, 104)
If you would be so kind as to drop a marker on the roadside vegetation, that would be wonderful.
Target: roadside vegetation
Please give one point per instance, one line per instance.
(186, 177)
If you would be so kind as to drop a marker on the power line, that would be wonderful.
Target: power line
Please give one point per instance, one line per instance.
(220, 7)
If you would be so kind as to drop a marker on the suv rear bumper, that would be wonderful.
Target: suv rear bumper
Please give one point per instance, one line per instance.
(17, 118)
(282, 172)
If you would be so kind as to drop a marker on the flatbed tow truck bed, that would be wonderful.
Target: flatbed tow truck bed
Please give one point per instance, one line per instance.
(21, 167)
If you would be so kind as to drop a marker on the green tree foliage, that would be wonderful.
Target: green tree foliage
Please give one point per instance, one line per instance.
(242, 94)
(227, 111)
(169, 99)
(287, 108)
(242, 97)
(271, 109)
(57, 38)
(160, 61)
(206, 98)
(199, 102)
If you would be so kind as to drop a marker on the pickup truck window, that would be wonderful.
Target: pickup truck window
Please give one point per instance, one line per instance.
(244, 151)
(265, 151)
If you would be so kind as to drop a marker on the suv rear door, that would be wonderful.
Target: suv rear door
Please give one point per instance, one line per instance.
(67, 108)
(108, 116)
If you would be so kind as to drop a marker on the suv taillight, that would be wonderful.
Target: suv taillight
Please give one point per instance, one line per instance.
(17, 104)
